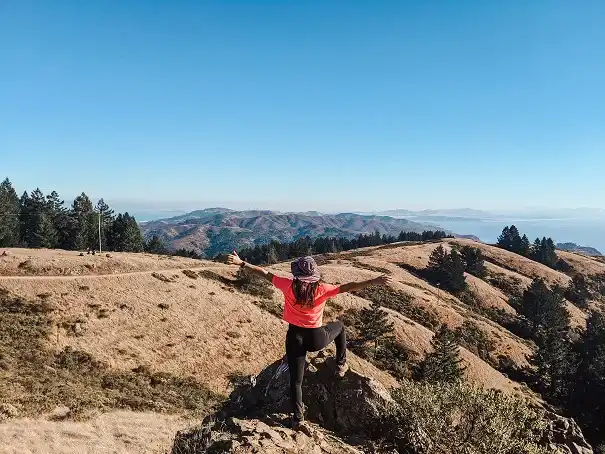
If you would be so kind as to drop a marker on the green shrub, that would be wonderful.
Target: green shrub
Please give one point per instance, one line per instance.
(252, 284)
(474, 339)
(455, 418)
(402, 303)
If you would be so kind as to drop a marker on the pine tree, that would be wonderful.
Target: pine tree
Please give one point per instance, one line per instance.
(536, 252)
(456, 281)
(106, 215)
(447, 269)
(9, 215)
(578, 292)
(516, 241)
(473, 258)
(505, 240)
(132, 239)
(544, 308)
(550, 254)
(23, 218)
(83, 223)
(37, 226)
(588, 399)
(525, 246)
(437, 260)
(373, 324)
(443, 364)
(155, 246)
(58, 216)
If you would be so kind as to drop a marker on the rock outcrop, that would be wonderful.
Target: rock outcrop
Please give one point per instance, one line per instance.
(346, 416)
(270, 436)
(256, 416)
(564, 434)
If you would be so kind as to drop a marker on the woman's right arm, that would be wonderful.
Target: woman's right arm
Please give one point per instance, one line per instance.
(355, 286)
(233, 259)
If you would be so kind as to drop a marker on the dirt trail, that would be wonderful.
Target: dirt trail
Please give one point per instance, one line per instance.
(90, 276)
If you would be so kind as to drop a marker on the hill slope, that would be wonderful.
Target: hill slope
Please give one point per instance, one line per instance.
(215, 230)
(184, 331)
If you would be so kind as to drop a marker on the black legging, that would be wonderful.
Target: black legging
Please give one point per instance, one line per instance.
(299, 341)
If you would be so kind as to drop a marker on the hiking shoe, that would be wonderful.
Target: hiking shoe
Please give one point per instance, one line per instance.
(303, 427)
(342, 369)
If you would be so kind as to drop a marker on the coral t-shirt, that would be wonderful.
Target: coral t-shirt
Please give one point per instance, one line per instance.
(296, 314)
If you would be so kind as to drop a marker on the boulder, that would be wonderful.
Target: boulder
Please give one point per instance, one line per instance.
(346, 412)
(352, 404)
(269, 436)
(564, 434)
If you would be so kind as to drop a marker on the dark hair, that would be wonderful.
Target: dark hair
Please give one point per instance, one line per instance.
(304, 292)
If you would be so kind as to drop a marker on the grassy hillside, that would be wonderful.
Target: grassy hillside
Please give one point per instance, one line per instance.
(180, 332)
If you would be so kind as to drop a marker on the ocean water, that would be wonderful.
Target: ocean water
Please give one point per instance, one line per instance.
(584, 232)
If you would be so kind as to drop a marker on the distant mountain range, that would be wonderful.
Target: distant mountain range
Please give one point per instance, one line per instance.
(216, 230)
(573, 247)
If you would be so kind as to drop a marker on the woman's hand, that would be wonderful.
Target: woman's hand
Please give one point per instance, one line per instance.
(233, 259)
(385, 279)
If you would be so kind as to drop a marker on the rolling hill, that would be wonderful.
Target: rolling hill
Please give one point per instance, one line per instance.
(216, 230)
(138, 346)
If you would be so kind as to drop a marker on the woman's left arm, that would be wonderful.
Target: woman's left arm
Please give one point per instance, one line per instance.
(234, 259)
(355, 286)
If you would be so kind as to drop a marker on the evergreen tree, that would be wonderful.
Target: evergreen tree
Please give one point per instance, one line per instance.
(437, 260)
(505, 240)
(544, 308)
(548, 320)
(9, 215)
(82, 223)
(23, 218)
(555, 363)
(443, 364)
(373, 324)
(525, 246)
(37, 226)
(511, 240)
(155, 245)
(59, 217)
(578, 292)
(106, 216)
(550, 253)
(588, 400)
(516, 240)
(131, 236)
(455, 280)
(536, 251)
(447, 269)
(473, 258)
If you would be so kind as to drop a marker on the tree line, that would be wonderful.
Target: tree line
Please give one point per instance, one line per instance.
(277, 251)
(542, 250)
(569, 367)
(36, 220)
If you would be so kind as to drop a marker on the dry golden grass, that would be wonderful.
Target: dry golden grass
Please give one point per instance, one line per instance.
(56, 262)
(118, 432)
(192, 320)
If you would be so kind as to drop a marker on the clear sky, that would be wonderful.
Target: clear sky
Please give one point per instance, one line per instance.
(328, 105)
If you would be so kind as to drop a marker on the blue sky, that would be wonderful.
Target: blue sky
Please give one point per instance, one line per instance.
(328, 105)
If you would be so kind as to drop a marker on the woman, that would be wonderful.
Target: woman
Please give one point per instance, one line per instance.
(305, 298)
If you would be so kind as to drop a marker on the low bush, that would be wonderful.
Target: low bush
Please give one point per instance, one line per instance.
(454, 418)
(402, 303)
